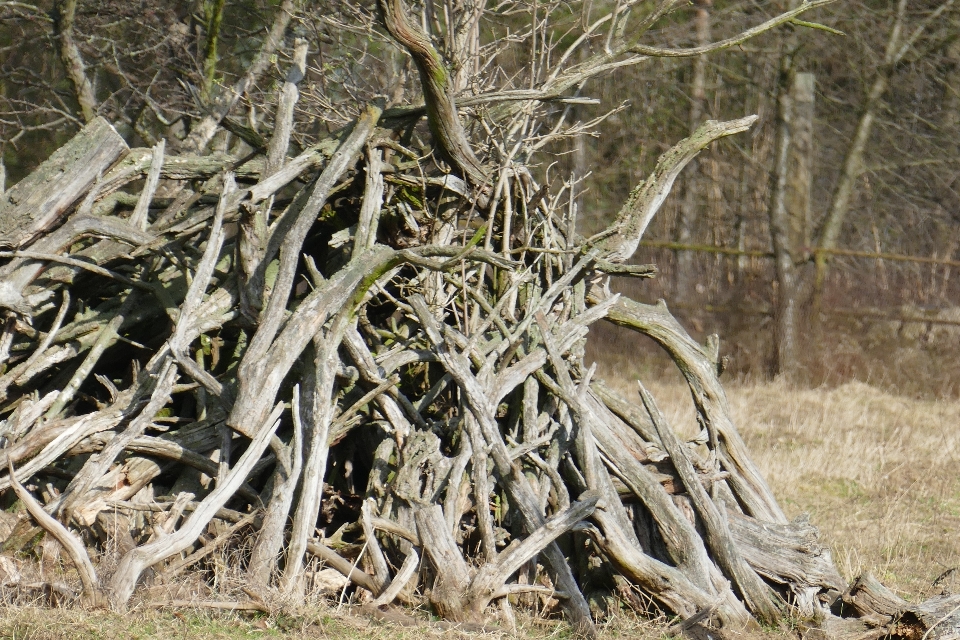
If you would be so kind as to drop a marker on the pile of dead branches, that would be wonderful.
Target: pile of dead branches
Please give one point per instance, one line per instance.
(370, 354)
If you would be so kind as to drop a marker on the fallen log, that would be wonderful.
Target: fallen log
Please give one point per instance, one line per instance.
(37, 203)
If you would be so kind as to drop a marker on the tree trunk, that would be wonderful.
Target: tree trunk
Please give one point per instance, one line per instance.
(899, 44)
(781, 221)
(693, 183)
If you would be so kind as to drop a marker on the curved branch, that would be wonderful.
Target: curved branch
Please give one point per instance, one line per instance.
(740, 38)
(620, 240)
(441, 107)
(73, 546)
(135, 561)
(758, 596)
(700, 370)
(63, 15)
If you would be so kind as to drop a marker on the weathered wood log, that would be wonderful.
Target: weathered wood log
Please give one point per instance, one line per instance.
(881, 613)
(790, 555)
(37, 203)
(937, 618)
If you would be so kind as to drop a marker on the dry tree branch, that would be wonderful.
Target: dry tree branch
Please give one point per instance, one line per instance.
(489, 435)
(95, 468)
(700, 370)
(64, 12)
(72, 545)
(135, 561)
(283, 126)
(404, 573)
(263, 557)
(438, 89)
(620, 240)
(138, 218)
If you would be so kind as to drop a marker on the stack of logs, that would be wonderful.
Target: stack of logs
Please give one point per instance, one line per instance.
(358, 356)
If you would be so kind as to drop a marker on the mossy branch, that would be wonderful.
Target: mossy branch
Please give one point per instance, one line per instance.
(441, 107)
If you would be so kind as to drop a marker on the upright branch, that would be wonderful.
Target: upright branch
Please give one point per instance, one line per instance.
(224, 103)
(63, 14)
(438, 92)
(214, 17)
(780, 229)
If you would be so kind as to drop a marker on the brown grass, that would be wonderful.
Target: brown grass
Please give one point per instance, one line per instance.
(326, 622)
(317, 621)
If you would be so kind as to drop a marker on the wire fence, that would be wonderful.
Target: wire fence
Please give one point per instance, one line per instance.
(855, 291)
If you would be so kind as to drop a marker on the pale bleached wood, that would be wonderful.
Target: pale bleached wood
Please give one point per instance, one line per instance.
(264, 555)
(683, 543)
(345, 155)
(621, 239)
(366, 234)
(283, 121)
(406, 571)
(190, 318)
(138, 218)
(792, 555)
(317, 419)
(489, 432)
(170, 450)
(212, 546)
(452, 573)
(69, 433)
(346, 568)
(132, 564)
(37, 203)
(106, 338)
(75, 494)
(492, 576)
(20, 272)
(757, 596)
(701, 374)
(73, 546)
(381, 572)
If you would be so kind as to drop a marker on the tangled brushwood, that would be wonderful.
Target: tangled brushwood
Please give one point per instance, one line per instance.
(372, 354)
